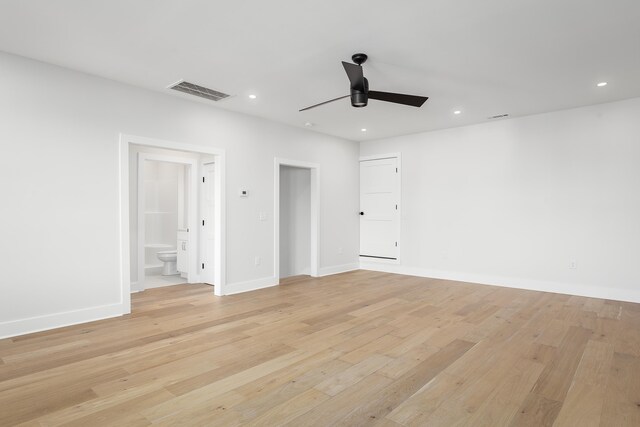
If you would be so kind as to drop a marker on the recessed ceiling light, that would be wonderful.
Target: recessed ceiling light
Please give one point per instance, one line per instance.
(457, 112)
(252, 96)
(363, 130)
(601, 84)
(308, 124)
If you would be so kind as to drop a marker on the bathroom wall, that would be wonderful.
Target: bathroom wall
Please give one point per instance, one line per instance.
(295, 221)
(60, 168)
(162, 182)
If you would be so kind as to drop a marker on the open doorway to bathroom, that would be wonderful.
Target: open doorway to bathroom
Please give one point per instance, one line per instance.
(165, 217)
(173, 203)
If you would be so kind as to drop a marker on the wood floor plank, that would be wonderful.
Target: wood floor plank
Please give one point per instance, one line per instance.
(262, 399)
(340, 406)
(38, 399)
(501, 406)
(356, 373)
(414, 379)
(621, 406)
(556, 379)
(291, 409)
(407, 385)
(536, 411)
(379, 346)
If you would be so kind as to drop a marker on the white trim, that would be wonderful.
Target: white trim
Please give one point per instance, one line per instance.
(380, 156)
(46, 322)
(220, 224)
(364, 259)
(192, 273)
(337, 269)
(125, 262)
(125, 277)
(398, 157)
(589, 291)
(251, 285)
(314, 169)
(267, 282)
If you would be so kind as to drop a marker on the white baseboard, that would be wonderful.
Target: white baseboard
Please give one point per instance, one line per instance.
(266, 282)
(29, 325)
(336, 269)
(303, 272)
(630, 295)
(250, 285)
(134, 287)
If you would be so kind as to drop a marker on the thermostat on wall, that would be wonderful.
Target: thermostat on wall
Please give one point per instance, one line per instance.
(244, 193)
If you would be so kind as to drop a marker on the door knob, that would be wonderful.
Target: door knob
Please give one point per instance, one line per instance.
(361, 213)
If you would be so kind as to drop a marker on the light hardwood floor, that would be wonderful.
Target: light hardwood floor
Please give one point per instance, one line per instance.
(360, 348)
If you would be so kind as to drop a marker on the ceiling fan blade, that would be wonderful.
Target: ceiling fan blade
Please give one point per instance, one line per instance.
(325, 102)
(398, 98)
(355, 74)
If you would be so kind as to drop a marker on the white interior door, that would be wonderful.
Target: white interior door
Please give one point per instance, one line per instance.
(207, 207)
(379, 199)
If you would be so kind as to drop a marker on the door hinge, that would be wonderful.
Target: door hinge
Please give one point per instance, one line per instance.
(396, 207)
(203, 179)
(203, 265)
(396, 244)
(396, 170)
(203, 222)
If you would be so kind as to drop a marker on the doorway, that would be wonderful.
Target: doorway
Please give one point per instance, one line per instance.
(295, 221)
(194, 158)
(166, 208)
(296, 213)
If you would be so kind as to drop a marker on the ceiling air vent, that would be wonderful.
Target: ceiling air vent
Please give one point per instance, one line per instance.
(498, 116)
(202, 92)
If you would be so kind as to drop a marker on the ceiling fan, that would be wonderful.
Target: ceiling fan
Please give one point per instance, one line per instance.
(360, 93)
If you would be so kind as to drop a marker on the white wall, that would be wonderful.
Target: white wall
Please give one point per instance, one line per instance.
(295, 221)
(515, 202)
(59, 166)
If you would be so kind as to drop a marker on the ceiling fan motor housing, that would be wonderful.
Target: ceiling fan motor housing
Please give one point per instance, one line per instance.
(360, 95)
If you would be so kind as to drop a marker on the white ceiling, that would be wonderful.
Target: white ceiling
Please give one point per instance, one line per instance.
(482, 57)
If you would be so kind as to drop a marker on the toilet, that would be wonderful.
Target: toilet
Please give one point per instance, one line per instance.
(168, 259)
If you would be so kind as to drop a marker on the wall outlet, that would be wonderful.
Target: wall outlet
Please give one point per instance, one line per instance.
(262, 216)
(257, 260)
(573, 264)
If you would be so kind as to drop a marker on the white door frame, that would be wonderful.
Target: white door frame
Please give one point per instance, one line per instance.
(220, 220)
(364, 260)
(314, 169)
(192, 276)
